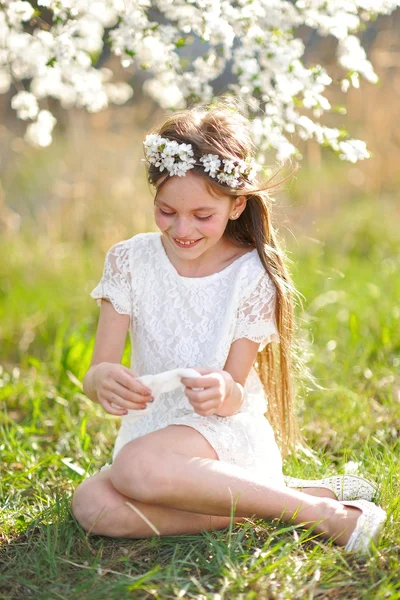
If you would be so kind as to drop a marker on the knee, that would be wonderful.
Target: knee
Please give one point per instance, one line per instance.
(90, 509)
(136, 473)
(87, 506)
(80, 504)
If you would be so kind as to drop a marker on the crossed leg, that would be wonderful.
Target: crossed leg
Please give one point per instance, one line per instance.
(174, 479)
(101, 509)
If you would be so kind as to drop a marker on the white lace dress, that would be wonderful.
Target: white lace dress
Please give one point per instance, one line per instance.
(177, 322)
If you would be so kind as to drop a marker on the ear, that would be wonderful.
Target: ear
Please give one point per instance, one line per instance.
(239, 204)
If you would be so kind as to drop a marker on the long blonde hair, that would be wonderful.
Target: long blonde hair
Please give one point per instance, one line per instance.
(221, 129)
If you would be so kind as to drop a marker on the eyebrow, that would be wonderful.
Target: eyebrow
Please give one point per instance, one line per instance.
(207, 208)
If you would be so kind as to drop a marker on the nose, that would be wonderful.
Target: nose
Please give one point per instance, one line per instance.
(182, 228)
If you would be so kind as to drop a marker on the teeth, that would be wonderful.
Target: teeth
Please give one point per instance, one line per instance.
(185, 243)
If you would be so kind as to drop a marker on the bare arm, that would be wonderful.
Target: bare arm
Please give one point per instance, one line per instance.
(111, 335)
(107, 382)
(240, 359)
(109, 345)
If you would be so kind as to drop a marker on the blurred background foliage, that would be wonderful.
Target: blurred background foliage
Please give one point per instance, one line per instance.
(61, 208)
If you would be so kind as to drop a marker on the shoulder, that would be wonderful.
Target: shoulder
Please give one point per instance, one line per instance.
(252, 267)
(137, 241)
(136, 245)
(127, 256)
(254, 278)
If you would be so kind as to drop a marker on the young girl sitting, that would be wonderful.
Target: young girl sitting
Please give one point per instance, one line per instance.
(203, 299)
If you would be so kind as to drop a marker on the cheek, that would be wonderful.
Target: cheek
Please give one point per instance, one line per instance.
(215, 226)
(161, 221)
(212, 227)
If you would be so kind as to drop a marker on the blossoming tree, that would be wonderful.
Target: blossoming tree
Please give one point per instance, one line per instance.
(50, 49)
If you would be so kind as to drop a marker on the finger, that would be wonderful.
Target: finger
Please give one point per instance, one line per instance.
(198, 396)
(121, 374)
(128, 395)
(204, 395)
(197, 382)
(138, 407)
(113, 410)
(128, 380)
(126, 404)
(133, 378)
(206, 413)
(140, 388)
(206, 406)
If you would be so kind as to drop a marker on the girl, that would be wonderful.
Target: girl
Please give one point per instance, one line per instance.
(209, 293)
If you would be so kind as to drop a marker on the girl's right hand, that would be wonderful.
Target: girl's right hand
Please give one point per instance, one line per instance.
(118, 390)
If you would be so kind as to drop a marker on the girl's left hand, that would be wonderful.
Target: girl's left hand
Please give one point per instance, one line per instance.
(215, 384)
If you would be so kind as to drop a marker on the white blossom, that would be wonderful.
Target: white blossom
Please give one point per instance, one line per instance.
(344, 85)
(353, 150)
(177, 159)
(165, 91)
(26, 105)
(39, 133)
(19, 11)
(256, 39)
(5, 82)
(353, 58)
(118, 93)
(168, 155)
(211, 163)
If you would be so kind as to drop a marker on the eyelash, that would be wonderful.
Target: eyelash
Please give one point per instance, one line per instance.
(170, 215)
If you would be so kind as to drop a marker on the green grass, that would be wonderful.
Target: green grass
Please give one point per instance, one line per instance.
(347, 266)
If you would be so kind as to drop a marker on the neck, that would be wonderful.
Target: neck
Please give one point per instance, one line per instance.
(210, 261)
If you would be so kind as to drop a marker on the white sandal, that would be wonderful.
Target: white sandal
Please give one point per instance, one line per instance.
(369, 526)
(345, 487)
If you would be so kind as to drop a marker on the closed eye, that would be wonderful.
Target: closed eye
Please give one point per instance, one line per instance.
(170, 214)
(204, 218)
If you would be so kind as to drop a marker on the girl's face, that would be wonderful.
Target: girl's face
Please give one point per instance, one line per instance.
(190, 217)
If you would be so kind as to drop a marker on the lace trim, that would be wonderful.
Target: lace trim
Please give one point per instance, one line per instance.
(181, 322)
(205, 279)
(256, 313)
(116, 284)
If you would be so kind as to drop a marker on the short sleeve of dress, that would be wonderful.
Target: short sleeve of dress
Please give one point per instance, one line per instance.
(256, 313)
(116, 282)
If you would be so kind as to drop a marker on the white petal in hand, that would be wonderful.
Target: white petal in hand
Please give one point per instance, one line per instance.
(160, 383)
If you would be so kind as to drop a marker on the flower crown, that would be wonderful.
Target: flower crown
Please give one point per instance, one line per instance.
(177, 159)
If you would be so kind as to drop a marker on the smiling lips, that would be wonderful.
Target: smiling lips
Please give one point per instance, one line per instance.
(185, 243)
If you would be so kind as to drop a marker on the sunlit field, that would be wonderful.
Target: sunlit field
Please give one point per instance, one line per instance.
(346, 262)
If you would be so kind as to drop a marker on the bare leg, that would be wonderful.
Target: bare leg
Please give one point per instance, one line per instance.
(101, 510)
(172, 479)
(318, 492)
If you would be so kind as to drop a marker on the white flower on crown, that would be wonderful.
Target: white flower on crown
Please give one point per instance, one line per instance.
(228, 180)
(229, 166)
(177, 159)
(211, 164)
(168, 155)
